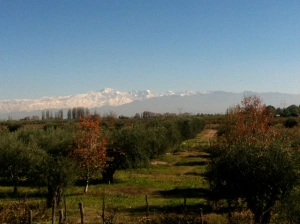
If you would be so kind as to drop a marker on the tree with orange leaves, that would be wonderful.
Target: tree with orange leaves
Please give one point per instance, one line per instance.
(252, 161)
(248, 123)
(90, 148)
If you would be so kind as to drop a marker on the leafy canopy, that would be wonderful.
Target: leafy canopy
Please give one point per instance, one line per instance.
(252, 161)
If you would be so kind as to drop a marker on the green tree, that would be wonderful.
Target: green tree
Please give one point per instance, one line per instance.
(285, 113)
(279, 111)
(173, 134)
(293, 110)
(271, 109)
(69, 114)
(290, 122)
(74, 113)
(190, 127)
(252, 161)
(47, 114)
(114, 162)
(289, 209)
(137, 145)
(17, 157)
(14, 125)
(54, 169)
(133, 142)
(56, 173)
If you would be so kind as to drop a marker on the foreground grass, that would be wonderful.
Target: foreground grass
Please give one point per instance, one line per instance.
(165, 183)
(174, 186)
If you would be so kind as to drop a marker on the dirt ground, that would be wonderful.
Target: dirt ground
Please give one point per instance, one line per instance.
(209, 133)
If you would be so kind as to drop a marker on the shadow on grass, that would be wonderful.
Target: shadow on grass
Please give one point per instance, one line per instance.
(185, 193)
(205, 156)
(96, 181)
(195, 174)
(81, 182)
(174, 210)
(21, 183)
(22, 196)
(200, 155)
(198, 163)
(193, 156)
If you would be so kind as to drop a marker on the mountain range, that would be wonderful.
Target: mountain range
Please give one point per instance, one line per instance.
(129, 103)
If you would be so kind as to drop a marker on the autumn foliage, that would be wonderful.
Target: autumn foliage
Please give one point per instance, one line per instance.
(90, 147)
(252, 162)
(248, 123)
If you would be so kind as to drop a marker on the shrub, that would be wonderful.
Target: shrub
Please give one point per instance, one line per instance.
(290, 122)
(14, 126)
(252, 161)
(289, 208)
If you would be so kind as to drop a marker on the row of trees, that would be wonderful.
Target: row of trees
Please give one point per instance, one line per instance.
(48, 114)
(72, 113)
(56, 156)
(77, 112)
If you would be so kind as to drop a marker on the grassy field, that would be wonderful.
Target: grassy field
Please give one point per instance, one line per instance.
(174, 186)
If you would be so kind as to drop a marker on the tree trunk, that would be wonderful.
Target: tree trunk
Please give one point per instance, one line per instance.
(58, 196)
(262, 216)
(108, 176)
(50, 196)
(87, 179)
(16, 183)
(86, 185)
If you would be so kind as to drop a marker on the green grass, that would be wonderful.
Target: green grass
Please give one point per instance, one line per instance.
(201, 141)
(166, 184)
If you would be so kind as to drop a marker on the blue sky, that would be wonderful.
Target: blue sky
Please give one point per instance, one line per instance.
(73, 46)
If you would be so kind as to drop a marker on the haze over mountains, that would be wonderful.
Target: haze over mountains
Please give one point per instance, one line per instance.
(129, 103)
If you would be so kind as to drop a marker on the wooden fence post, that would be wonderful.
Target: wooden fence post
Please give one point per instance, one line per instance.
(147, 209)
(30, 217)
(201, 216)
(147, 206)
(184, 207)
(103, 209)
(65, 204)
(81, 212)
(53, 210)
(61, 216)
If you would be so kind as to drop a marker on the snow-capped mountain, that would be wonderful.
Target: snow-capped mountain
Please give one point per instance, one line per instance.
(129, 103)
(141, 95)
(105, 97)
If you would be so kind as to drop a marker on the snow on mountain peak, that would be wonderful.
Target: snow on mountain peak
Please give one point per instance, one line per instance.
(91, 99)
(105, 97)
(169, 93)
(107, 90)
(188, 93)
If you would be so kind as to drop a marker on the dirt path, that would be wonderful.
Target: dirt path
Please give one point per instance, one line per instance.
(209, 133)
(204, 137)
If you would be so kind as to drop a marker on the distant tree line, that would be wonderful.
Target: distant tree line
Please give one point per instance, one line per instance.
(290, 111)
(72, 113)
(76, 112)
(49, 115)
